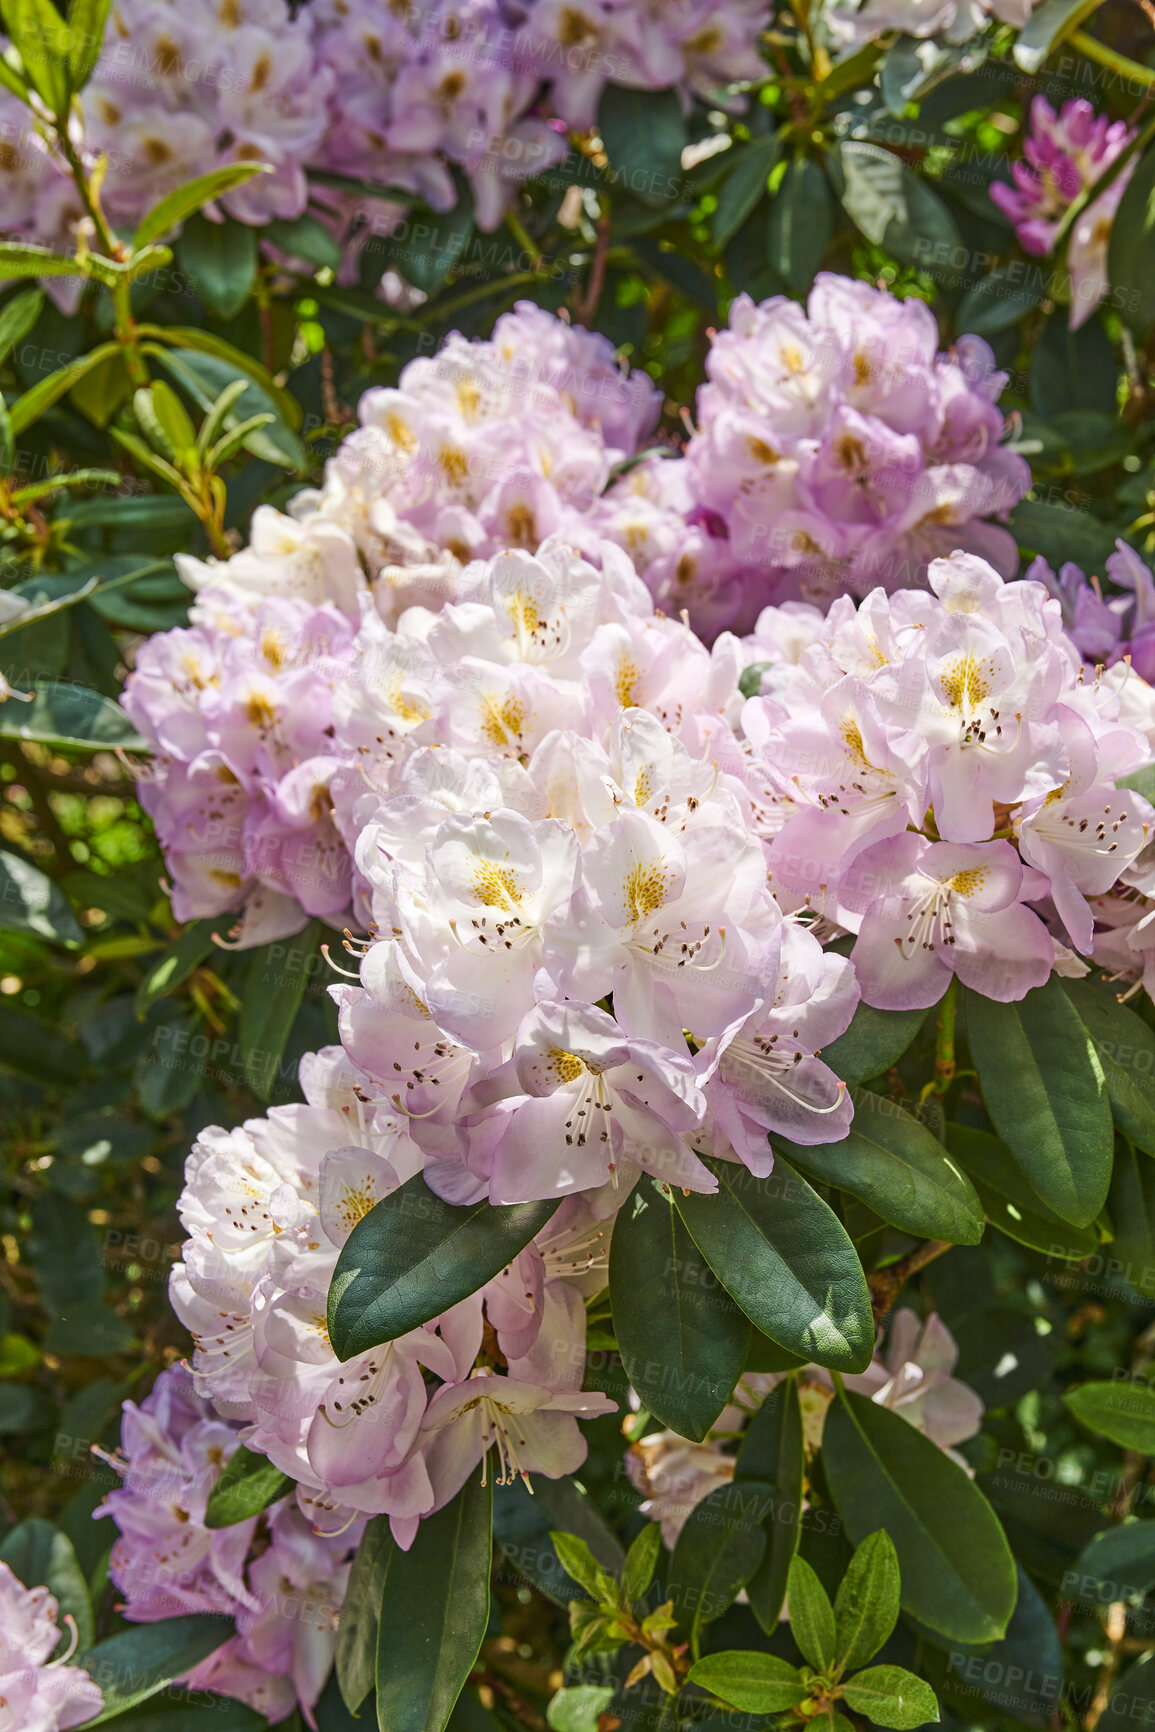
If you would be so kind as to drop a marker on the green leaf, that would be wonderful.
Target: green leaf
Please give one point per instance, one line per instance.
(87, 20)
(1123, 1411)
(785, 1258)
(875, 1040)
(744, 185)
(1131, 1699)
(274, 988)
(891, 205)
(644, 134)
(44, 43)
(576, 1709)
(72, 716)
(25, 259)
(754, 1683)
(1060, 533)
(177, 964)
(221, 261)
(304, 237)
(164, 418)
(682, 1339)
(641, 1562)
(890, 1696)
(1047, 26)
(434, 1609)
(524, 1521)
(31, 902)
(1044, 1087)
(811, 1616)
(45, 392)
(893, 1164)
(868, 1600)
(581, 1566)
(175, 206)
(199, 1713)
(136, 1664)
(1126, 1050)
(205, 377)
(1118, 1562)
(44, 1557)
(718, 1550)
(1009, 1202)
(206, 343)
(773, 1450)
(413, 1256)
(958, 1575)
(801, 222)
(360, 1619)
(995, 303)
(1131, 1205)
(17, 318)
(249, 1484)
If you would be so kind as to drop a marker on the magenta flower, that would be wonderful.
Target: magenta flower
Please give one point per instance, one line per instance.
(1064, 154)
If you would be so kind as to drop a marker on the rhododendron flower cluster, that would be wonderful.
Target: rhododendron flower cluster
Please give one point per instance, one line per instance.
(1065, 153)
(403, 97)
(936, 764)
(281, 1579)
(857, 21)
(836, 450)
(573, 841)
(396, 1430)
(913, 1377)
(37, 1692)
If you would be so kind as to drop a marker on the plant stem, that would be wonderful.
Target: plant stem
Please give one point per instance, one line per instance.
(1110, 57)
(886, 1284)
(945, 1063)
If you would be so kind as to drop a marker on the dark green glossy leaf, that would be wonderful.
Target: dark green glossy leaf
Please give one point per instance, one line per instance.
(274, 988)
(958, 1575)
(1125, 1047)
(435, 1598)
(644, 133)
(1044, 1087)
(249, 1484)
(801, 223)
(717, 1552)
(31, 902)
(875, 1040)
(136, 1664)
(1123, 1411)
(773, 1451)
(894, 1165)
(413, 1256)
(1009, 1201)
(67, 715)
(784, 1256)
(356, 1657)
(682, 1339)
